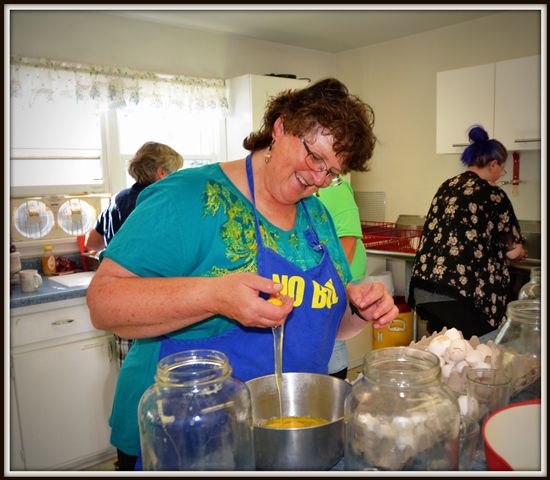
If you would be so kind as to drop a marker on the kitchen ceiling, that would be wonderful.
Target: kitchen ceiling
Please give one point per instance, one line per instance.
(331, 29)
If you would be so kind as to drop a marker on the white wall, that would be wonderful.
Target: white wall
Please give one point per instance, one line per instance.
(108, 39)
(398, 78)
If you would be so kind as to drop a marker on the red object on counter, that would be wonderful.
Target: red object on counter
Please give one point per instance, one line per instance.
(511, 437)
(515, 174)
(80, 239)
(401, 304)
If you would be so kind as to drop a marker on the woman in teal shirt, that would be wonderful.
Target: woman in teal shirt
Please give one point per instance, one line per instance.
(195, 261)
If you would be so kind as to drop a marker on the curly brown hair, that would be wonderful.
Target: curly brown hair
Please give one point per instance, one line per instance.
(151, 156)
(326, 105)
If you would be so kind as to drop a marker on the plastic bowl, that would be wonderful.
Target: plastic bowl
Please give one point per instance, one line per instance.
(512, 437)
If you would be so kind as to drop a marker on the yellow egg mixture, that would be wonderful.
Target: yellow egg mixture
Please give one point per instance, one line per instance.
(294, 422)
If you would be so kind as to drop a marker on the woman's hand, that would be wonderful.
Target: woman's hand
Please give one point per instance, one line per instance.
(237, 298)
(517, 252)
(374, 302)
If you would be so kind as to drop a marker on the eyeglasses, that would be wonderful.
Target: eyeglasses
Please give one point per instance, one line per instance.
(319, 165)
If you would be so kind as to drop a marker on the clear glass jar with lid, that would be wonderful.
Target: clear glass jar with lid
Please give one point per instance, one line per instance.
(196, 416)
(399, 416)
(518, 343)
(531, 290)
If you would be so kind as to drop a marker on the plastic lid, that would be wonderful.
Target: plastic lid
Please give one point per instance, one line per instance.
(48, 248)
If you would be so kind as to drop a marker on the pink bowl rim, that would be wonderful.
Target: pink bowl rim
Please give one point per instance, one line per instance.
(501, 463)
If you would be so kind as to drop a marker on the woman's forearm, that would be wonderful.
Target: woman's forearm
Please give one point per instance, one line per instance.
(143, 307)
(138, 307)
(350, 325)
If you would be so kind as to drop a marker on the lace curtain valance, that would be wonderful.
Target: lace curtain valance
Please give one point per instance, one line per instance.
(111, 86)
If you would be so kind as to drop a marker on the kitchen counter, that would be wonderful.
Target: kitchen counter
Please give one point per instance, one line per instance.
(48, 292)
(526, 264)
(390, 254)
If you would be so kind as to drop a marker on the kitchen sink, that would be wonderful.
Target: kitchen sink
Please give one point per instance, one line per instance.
(530, 230)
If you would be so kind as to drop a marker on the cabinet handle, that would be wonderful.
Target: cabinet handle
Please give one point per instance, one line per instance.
(89, 346)
(459, 145)
(63, 322)
(527, 140)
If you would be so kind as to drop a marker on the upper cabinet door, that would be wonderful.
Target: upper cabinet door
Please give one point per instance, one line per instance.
(248, 96)
(518, 103)
(465, 97)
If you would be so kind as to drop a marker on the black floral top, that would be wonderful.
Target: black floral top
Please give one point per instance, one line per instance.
(462, 252)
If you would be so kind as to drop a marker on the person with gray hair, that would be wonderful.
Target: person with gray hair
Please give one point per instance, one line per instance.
(152, 162)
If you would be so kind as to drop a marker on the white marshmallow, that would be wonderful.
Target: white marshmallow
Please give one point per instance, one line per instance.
(475, 356)
(460, 366)
(457, 350)
(485, 350)
(439, 344)
(454, 334)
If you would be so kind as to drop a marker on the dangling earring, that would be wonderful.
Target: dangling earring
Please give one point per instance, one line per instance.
(267, 157)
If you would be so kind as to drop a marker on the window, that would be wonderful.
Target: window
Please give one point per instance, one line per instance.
(198, 137)
(73, 127)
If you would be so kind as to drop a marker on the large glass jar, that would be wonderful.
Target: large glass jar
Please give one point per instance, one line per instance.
(518, 344)
(399, 416)
(531, 290)
(196, 416)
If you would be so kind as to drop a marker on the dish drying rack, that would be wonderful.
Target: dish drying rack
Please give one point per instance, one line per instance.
(385, 236)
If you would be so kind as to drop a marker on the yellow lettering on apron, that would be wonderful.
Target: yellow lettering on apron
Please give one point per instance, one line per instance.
(294, 287)
(324, 296)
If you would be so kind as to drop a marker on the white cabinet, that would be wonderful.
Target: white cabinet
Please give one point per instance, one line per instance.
(518, 103)
(503, 97)
(63, 378)
(464, 97)
(248, 96)
(400, 267)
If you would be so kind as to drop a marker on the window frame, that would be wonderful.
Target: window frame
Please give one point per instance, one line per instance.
(113, 163)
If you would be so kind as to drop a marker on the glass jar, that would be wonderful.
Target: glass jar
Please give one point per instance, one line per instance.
(48, 261)
(196, 416)
(518, 344)
(531, 290)
(399, 416)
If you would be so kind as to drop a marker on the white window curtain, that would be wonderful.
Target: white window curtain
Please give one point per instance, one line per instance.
(114, 87)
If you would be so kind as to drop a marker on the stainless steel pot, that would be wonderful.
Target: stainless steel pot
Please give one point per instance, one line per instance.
(303, 394)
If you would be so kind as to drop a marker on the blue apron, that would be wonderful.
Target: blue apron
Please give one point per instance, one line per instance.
(310, 329)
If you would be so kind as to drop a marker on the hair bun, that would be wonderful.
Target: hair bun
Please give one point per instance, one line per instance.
(478, 134)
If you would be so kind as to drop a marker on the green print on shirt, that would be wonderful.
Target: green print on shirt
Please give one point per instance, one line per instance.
(239, 235)
(238, 231)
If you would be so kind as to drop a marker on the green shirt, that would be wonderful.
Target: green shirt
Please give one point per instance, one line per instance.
(341, 205)
(196, 223)
(340, 202)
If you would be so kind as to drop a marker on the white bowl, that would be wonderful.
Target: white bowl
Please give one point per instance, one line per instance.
(512, 437)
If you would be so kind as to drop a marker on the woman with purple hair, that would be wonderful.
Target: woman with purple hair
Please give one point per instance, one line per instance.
(460, 275)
